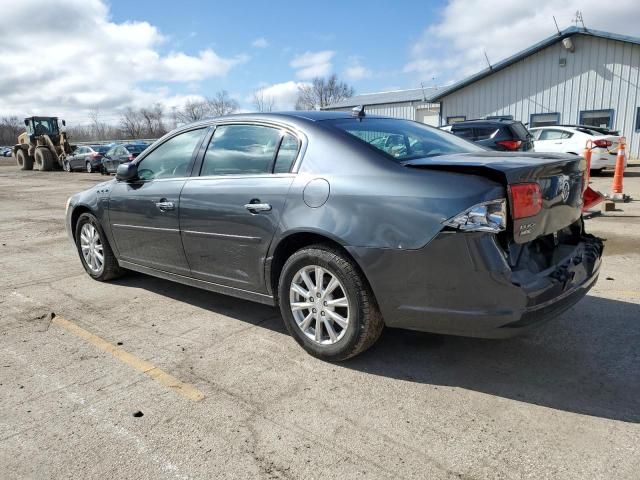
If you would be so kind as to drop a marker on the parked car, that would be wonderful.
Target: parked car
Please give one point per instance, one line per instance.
(119, 154)
(307, 211)
(86, 157)
(5, 151)
(573, 139)
(497, 134)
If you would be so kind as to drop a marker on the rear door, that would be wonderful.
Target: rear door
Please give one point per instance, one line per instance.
(229, 213)
(144, 213)
(77, 159)
(550, 140)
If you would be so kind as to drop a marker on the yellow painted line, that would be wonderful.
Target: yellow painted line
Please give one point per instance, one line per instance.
(160, 376)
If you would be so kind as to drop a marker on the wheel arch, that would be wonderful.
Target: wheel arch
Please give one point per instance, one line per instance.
(75, 215)
(291, 243)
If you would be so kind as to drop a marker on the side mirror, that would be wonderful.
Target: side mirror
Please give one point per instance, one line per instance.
(126, 172)
(64, 124)
(26, 122)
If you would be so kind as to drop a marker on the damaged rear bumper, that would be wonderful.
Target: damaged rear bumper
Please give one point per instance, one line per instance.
(465, 284)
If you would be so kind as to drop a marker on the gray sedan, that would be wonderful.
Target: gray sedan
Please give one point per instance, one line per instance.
(348, 223)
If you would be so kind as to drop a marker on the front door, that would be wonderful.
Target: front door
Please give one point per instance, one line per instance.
(144, 213)
(228, 214)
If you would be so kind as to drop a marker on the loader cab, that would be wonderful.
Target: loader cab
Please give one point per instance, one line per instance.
(42, 126)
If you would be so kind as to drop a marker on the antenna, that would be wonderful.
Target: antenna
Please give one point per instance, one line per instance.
(579, 18)
(487, 59)
(557, 28)
(424, 95)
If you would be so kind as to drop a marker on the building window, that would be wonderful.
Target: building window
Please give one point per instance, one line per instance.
(456, 119)
(544, 119)
(500, 117)
(597, 118)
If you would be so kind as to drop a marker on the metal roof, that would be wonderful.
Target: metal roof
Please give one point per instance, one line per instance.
(394, 96)
(530, 51)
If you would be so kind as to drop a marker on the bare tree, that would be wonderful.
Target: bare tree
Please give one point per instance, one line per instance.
(10, 128)
(131, 123)
(222, 104)
(322, 93)
(262, 102)
(152, 119)
(192, 111)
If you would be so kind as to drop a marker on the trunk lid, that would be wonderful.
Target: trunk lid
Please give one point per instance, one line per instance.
(560, 177)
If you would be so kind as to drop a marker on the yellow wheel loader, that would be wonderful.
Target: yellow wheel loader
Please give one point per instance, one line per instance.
(43, 145)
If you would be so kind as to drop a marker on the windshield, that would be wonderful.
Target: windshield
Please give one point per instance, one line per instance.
(402, 139)
(45, 126)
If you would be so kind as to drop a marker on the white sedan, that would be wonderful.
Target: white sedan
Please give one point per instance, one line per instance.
(572, 139)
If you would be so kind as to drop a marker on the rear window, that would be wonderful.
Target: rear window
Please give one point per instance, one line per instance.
(100, 148)
(402, 139)
(519, 130)
(135, 148)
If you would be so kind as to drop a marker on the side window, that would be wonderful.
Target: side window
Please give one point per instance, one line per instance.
(566, 135)
(172, 158)
(551, 135)
(463, 132)
(286, 154)
(240, 149)
(482, 133)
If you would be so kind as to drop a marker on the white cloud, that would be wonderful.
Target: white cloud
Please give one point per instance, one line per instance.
(312, 64)
(260, 43)
(454, 46)
(355, 70)
(73, 58)
(284, 94)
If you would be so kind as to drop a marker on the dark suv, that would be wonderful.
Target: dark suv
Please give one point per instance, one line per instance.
(498, 134)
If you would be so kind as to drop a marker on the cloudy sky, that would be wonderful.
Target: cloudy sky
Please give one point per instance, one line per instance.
(70, 57)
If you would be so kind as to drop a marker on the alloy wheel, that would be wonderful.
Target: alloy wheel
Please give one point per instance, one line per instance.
(92, 248)
(319, 305)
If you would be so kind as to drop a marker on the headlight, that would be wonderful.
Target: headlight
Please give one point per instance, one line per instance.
(484, 217)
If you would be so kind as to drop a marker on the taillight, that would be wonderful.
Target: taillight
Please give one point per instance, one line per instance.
(131, 157)
(96, 155)
(510, 144)
(602, 143)
(526, 200)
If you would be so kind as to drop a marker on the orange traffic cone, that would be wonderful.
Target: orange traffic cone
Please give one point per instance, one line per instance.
(587, 156)
(616, 187)
(590, 198)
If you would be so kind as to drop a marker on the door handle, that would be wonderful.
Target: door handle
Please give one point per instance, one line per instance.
(164, 205)
(258, 207)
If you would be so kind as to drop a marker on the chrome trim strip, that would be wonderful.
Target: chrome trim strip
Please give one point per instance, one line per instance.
(140, 227)
(222, 236)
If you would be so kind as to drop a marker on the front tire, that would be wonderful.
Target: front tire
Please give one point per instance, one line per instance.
(95, 252)
(89, 167)
(327, 304)
(44, 160)
(66, 166)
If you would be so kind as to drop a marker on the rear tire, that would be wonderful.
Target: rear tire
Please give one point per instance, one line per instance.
(334, 342)
(24, 161)
(89, 167)
(44, 159)
(88, 228)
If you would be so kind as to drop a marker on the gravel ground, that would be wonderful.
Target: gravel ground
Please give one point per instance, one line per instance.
(220, 390)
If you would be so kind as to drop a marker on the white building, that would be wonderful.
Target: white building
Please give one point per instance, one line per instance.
(409, 104)
(578, 76)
